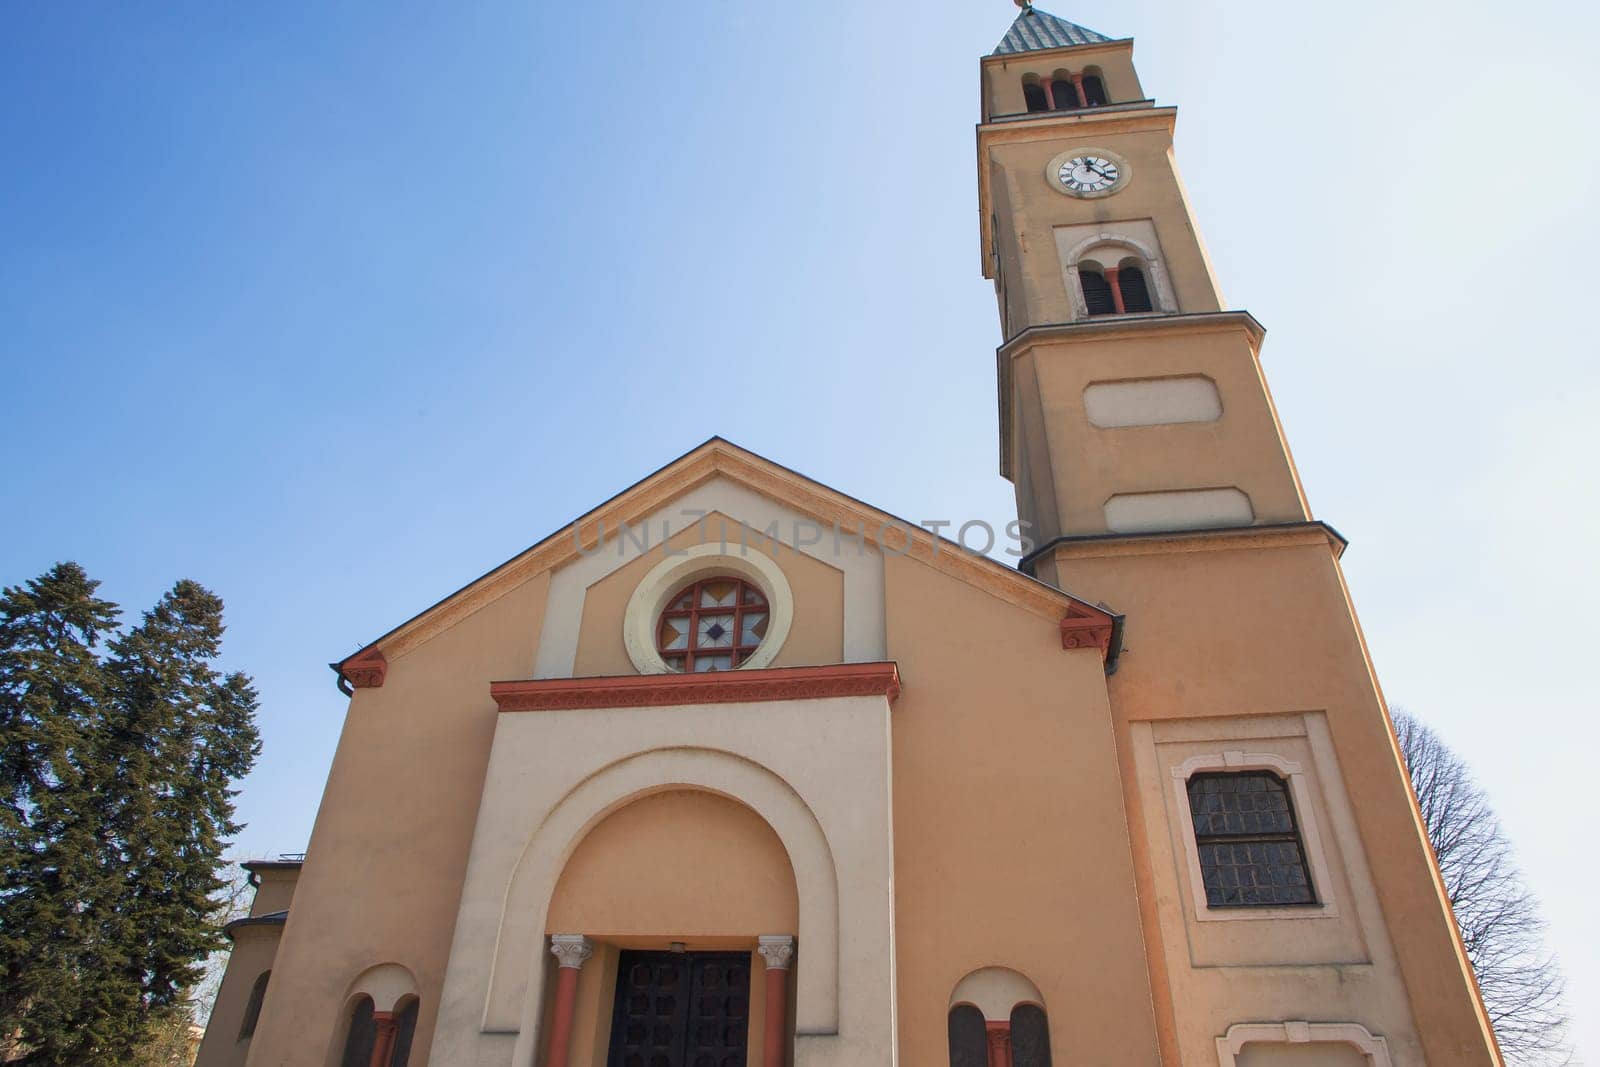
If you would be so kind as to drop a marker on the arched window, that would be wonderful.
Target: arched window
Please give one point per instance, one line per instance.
(1063, 93)
(1034, 94)
(1094, 89)
(252, 1007)
(405, 1031)
(1135, 290)
(1097, 294)
(1030, 1036)
(969, 1038)
(1249, 842)
(361, 1036)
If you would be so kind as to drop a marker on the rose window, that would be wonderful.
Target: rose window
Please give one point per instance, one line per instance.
(713, 625)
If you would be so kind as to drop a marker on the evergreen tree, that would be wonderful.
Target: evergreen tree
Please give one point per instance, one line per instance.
(52, 688)
(154, 738)
(181, 735)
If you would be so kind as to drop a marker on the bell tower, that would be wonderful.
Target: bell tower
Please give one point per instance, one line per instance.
(1131, 399)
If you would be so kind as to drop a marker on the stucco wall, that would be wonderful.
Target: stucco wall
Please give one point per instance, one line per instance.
(677, 865)
(252, 954)
(1229, 640)
(1153, 196)
(383, 871)
(1011, 845)
(1088, 465)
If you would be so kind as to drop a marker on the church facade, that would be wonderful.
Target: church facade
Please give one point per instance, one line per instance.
(740, 771)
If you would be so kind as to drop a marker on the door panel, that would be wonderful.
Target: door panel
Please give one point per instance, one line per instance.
(677, 1009)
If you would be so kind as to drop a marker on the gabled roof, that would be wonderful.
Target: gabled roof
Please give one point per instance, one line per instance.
(717, 457)
(1035, 31)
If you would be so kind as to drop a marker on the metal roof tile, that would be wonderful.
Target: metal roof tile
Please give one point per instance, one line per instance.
(1036, 30)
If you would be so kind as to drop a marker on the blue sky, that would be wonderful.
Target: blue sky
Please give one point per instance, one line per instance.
(333, 307)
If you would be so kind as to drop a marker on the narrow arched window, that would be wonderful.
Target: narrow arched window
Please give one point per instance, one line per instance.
(1249, 842)
(252, 1007)
(1094, 91)
(969, 1040)
(1135, 289)
(1033, 93)
(1030, 1036)
(361, 1036)
(405, 1032)
(1096, 292)
(1064, 93)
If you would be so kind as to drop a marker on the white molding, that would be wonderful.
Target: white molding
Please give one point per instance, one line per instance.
(669, 576)
(1305, 815)
(1230, 1045)
(865, 629)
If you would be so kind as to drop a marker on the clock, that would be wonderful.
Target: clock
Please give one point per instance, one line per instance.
(1088, 172)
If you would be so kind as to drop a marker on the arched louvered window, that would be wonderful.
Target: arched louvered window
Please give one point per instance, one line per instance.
(361, 1036)
(1094, 91)
(1030, 1036)
(1096, 292)
(1249, 842)
(1065, 95)
(1033, 93)
(1135, 290)
(969, 1039)
(405, 1031)
(252, 1007)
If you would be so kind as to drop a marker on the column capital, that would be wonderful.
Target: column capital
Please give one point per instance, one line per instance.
(777, 950)
(571, 950)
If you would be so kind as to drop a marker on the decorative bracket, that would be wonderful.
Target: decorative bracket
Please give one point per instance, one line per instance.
(366, 669)
(1087, 627)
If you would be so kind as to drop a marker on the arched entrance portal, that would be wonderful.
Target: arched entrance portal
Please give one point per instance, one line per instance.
(669, 894)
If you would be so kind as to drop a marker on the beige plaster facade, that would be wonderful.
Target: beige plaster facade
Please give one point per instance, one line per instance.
(940, 784)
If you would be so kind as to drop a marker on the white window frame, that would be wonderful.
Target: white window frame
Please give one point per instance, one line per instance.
(1326, 906)
(1374, 1048)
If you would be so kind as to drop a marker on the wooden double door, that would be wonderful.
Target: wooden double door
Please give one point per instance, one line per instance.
(681, 1009)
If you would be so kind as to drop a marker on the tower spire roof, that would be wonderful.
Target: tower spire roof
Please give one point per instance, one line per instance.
(1036, 30)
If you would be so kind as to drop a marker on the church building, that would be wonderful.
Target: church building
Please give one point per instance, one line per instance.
(737, 770)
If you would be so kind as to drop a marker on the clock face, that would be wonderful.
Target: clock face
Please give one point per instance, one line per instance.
(1088, 174)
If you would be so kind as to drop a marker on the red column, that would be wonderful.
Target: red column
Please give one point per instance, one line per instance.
(1116, 289)
(778, 951)
(1049, 94)
(383, 1045)
(999, 1044)
(571, 950)
(1077, 87)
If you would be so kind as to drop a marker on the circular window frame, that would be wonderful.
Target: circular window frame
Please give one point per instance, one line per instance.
(669, 576)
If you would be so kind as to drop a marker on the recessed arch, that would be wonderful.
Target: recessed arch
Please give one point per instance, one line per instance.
(386, 983)
(1111, 246)
(995, 991)
(516, 984)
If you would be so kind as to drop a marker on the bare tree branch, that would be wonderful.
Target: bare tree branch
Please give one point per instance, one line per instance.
(1498, 918)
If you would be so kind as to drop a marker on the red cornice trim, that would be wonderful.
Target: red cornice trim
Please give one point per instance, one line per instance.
(1086, 627)
(718, 687)
(365, 670)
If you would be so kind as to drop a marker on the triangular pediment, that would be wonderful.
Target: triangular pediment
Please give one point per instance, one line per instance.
(721, 459)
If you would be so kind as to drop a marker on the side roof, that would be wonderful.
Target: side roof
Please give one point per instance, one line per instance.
(720, 457)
